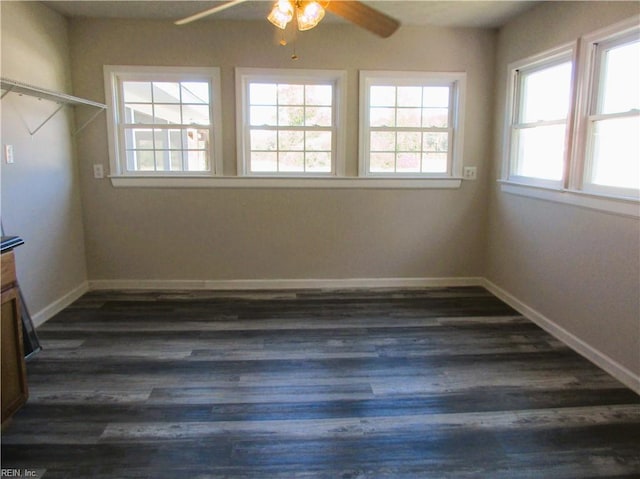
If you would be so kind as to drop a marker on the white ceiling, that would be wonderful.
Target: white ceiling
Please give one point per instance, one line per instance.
(482, 14)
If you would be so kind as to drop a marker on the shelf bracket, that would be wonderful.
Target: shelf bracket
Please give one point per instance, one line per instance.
(60, 107)
(86, 123)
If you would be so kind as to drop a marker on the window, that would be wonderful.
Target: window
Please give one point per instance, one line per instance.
(612, 157)
(541, 100)
(290, 122)
(163, 121)
(411, 123)
(573, 124)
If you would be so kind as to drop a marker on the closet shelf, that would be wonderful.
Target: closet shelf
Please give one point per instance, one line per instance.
(62, 99)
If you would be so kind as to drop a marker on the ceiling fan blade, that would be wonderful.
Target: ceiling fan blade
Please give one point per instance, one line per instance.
(208, 12)
(364, 16)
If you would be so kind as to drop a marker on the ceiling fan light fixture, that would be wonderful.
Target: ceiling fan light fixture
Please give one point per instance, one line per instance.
(281, 14)
(309, 15)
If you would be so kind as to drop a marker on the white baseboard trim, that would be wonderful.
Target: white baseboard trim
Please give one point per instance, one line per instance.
(629, 378)
(58, 305)
(275, 284)
(624, 375)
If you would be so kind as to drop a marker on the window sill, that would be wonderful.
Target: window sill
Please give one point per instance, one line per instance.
(629, 207)
(306, 183)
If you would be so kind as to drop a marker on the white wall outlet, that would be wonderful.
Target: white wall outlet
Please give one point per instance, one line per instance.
(98, 171)
(470, 172)
(8, 153)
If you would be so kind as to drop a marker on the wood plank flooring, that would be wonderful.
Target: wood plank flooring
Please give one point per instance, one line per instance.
(419, 383)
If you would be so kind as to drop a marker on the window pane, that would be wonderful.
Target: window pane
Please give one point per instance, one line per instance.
(318, 116)
(435, 117)
(318, 161)
(540, 152)
(175, 139)
(176, 160)
(197, 139)
(162, 160)
(291, 161)
(382, 162)
(166, 92)
(620, 87)
(144, 160)
(382, 96)
(195, 114)
(408, 162)
(409, 141)
(264, 140)
(264, 162)
(435, 96)
(409, 96)
(161, 139)
(318, 140)
(434, 162)
(382, 117)
(165, 114)
(138, 113)
(290, 140)
(616, 153)
(263, 115)
(263, 94)
(435, 142)
(197, 160)
(136, 91)
(138, 139)
(290, 94)
(291, 116)
(319, 95)
(409, 117)
(383, 141)
(195, 92)
(545, 94)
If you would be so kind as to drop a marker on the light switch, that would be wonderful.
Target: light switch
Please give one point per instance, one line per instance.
(8, 153)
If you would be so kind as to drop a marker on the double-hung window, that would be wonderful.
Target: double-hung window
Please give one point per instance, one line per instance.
(612, 129)
(163, 121)
(290, 122)
(573, 123)
(411, 124)
(539, 121)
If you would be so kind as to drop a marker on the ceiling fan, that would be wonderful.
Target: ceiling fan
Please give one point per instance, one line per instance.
(308, 13)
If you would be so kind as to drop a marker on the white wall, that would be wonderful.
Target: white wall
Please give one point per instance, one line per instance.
(40, 191)
(276, 234)
(578, 269)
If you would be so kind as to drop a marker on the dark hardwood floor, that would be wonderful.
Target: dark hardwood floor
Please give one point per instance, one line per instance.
(428, 383)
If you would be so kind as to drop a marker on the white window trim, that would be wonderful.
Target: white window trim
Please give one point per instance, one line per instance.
(539, 61)
(587, 95)
(112, 73)
(400, 78)
(244, 76)
(572, 191)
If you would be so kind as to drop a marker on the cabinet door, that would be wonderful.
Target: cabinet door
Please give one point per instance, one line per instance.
(13, 370)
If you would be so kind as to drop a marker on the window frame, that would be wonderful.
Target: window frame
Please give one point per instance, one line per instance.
(574, 190)
(114, 75)
(246, 76)
(515, 94)
(455, 80)
(593, 48)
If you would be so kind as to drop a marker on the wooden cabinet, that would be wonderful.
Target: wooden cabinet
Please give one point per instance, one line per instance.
(13, 370)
